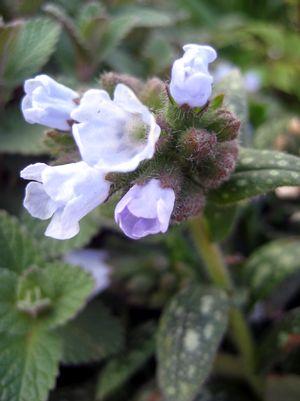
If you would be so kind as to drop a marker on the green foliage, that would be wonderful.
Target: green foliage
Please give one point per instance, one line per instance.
(29, 365)
(17, 250)
(281, 339)
(221, 220)
(120, 369)
(42, 320)
(34, 298)
(93, 335)
(25, 47)
(191, 329)
(270, 265)
(17, 136)
(258, 172)
(67, 287)
(50, 247)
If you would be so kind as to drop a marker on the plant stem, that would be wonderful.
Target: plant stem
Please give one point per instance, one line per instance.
(219, 275)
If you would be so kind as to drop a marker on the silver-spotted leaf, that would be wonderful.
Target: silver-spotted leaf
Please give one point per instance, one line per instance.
(270, 265)
(29, 365)
(257, 173)
(191, 329)
(17, 250)
(93, 335)
(269, 132)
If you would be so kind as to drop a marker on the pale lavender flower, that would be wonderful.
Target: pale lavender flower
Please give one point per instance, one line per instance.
(66, 193)
(252, 81)
(191, 82)
(145, 209)
(48, 103)
(93, 261)
(114, 135)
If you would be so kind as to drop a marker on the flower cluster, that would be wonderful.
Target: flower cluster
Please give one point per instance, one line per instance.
(163, 146)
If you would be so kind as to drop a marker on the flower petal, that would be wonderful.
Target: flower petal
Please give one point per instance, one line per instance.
(79, 189)
(48, 103)
(38, 203)
(33, 172)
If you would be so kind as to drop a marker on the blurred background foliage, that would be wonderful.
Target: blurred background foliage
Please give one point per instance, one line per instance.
(75, 41)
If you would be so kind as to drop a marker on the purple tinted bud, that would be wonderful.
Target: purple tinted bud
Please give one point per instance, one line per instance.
(145, 209)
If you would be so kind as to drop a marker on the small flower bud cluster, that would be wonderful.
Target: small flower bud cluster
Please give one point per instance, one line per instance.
(163, 146)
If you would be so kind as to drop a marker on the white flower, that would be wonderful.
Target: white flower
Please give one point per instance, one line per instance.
(92, 261)
(191, 82)
(66, 192)
(145, 209)
(114, 135)
(48, 103)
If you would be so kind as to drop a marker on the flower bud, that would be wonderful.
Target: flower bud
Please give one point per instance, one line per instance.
(190, 202)
(109, 80)
(154, 94)
(191, 83)
(198, 144)
(222, 167)
(225, 124)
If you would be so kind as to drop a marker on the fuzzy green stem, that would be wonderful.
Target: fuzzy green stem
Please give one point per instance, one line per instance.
(219, 275)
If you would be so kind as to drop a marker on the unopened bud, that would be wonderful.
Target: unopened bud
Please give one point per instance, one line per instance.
(110, 80)
(190, 202)
(224, 123)
(199, 144)
(223, 165)
(171, 177)
(154, 94)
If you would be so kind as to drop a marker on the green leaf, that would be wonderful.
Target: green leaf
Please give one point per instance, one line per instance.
(191, 329)
(148, 17)
(92, 336)
(34, 43)
(281, 339)
(17, 136)
(46, 297)
(120, 369)
(220, 220)
(10, 319)
(49, 247)
(267, 133)
(235, 99)
(270, 265)
(258, 172)
(67, 287)
(117, 30)
(17, 250)
(29, 365)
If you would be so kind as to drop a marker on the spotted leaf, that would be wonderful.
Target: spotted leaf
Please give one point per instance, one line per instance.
(270, 265)
(191, 329)
(258, 172)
